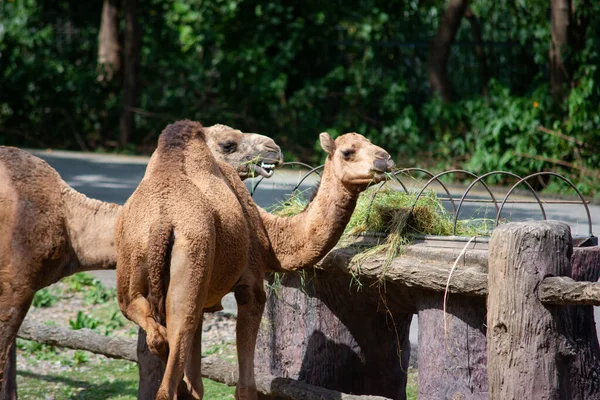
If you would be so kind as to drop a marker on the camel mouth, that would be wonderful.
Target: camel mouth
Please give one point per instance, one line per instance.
(380, 176)
(264, 169)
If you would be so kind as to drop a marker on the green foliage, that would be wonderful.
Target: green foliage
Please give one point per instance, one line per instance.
(44, 298)
(83, 321)
(293, 69)
(79, 281)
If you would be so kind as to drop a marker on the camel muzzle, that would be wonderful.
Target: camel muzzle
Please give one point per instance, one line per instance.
(383, 165)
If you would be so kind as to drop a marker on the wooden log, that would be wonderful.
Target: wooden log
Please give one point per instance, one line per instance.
(318, 329)
(8, 390)
(585, 367)
(564, 290)
(408, 272)
(530, 345)
(452, 362)
(81, 339)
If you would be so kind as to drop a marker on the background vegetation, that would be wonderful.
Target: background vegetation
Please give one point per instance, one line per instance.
(508, 84)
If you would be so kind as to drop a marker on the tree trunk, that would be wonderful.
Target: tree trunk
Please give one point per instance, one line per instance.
(530, 346)
(8, 391)
(109, 60)
(479, 51)
(452, 361)
(560, 29)
(440, 49)
(320, 330)
(132, 62)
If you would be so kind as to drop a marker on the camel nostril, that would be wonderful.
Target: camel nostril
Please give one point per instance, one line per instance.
(382, 154)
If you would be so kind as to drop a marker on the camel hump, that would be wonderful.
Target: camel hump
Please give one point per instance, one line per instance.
(160, 243)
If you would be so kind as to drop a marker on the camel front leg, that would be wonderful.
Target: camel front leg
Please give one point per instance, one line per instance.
(250, 296)
(13, 308)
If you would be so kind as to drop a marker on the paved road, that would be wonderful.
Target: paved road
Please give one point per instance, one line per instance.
(113, 178)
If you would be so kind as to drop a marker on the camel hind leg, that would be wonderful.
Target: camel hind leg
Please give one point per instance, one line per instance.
(186, 294)
(250, 297)
(131, 281)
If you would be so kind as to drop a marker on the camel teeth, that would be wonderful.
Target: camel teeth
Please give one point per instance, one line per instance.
(263, 165)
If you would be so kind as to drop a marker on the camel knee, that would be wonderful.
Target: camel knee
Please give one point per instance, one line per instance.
(156, 338)
(246, 295)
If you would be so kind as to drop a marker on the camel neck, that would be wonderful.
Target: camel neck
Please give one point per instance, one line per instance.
(304, 239)
(91, 225)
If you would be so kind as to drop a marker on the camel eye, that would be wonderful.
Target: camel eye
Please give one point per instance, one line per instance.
(347, 153)
(228, 147)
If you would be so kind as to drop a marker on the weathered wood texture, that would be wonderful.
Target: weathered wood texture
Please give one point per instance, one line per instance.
(82, 339)
(564, 290)
(452, 363)
(585, 367)
(317, 328)
(408, 272)
(530, 345)
(8, 389)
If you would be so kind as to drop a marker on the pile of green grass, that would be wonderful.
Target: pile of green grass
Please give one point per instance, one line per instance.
(387, 211)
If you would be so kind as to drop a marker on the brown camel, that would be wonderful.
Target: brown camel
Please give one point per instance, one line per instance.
(153, 243)
(49, 231)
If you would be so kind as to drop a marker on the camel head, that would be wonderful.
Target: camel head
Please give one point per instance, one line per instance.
(249, 153)
(355, 160)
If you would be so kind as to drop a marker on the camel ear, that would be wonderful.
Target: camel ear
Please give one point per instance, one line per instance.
(327, 143)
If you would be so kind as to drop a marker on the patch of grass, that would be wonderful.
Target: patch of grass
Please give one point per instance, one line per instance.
(83, 321)
(79, 281)
(106, 379)
(44, 298)
(97, 293)
(412, 385)
(89, 377)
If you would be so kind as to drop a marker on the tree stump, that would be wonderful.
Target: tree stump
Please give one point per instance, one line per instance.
(452, 363)
(8, 391)
(585, 368)
(150, 368)
(530, 346)
(320, 330)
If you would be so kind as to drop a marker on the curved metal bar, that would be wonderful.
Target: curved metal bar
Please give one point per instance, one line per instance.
(395, 176)
(437, 178)
(587, 209)
(262, 178)
(462, 199)
(309, 173)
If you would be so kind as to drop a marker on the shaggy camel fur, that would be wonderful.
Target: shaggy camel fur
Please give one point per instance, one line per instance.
(353, 163)
(192, 221)
(49, 231)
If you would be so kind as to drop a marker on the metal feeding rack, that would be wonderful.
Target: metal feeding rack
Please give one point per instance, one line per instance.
(456, 203)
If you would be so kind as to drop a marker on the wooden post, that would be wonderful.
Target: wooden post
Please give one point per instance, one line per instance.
(8, 391)
(320, 330)
(452, 362)
(151, 369)
(585, 368)
(530, 345)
